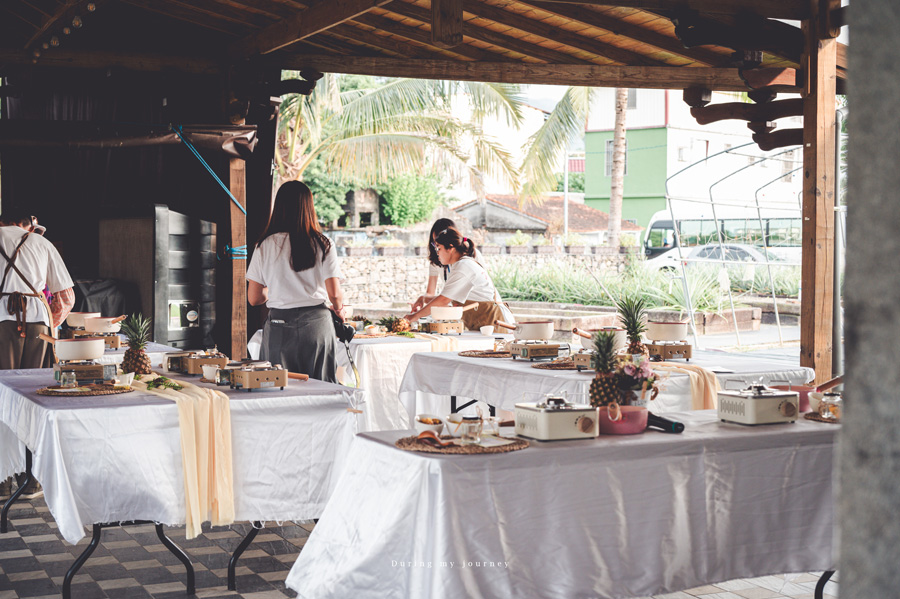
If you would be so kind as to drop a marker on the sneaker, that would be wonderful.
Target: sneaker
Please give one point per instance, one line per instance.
(34, 490)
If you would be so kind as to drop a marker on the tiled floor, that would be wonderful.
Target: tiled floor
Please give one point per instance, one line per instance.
(131, 562)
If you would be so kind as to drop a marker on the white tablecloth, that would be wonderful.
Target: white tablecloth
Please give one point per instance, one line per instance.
(505, 382)
(382, 362)
(118, 457)
(610, 517)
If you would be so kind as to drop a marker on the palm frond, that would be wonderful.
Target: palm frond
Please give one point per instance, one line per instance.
(546, 146)
(497, 100)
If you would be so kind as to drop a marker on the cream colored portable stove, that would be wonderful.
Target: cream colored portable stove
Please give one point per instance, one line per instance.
(443, 327)
(758, 404)
(537, 349)
(554, 419)
(669, 350)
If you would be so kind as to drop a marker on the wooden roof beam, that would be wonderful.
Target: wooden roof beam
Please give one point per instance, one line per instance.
(446, 23)
(775, 9)
(304, 24)
(495, 38)
(625, 29)
(382, 42)
(87, 59)
(724, 79)
(61, 18)
(424, 37)
(553, 33)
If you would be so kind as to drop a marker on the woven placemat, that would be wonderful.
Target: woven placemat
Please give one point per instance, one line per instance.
(566, 364)
(484, 353)
(371, 335)
(93, 390)
(413, 444)
(816, 418)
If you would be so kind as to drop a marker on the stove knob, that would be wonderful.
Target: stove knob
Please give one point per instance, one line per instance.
(788, 409)
(585, 424)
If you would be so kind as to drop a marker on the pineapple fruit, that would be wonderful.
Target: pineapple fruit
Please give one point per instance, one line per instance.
(603, 389)
(394, 324)
(137, 329)
(633, 313)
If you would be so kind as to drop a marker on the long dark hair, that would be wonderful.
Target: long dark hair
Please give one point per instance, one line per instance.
(438, 226)
(293, 213)
(451, 237)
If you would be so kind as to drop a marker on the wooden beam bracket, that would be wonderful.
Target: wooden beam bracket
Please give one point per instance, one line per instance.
(446, 23)
(697, 97)
(780, 138)
(750, 32)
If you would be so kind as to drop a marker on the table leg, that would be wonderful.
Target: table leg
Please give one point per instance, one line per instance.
(67, 581)
(232, 563)
(180, 554)
(823, 580)
(453, 408)
(22, 486)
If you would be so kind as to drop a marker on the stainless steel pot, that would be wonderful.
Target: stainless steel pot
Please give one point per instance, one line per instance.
(83, 348)
(539, 330)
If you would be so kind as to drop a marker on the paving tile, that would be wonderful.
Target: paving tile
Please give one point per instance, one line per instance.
(264, 595)
(20, 564)
(10, 594)
(757, 593)
(18, 576)
(169, 587)
(225, 534)
(704, 590)
(80, 578)
(140, 564)
(132, 592)
(89, 590)
(15, 553)
(118, 583)
(119, 544)
(205, 550)
(678, 595)
(34, 588)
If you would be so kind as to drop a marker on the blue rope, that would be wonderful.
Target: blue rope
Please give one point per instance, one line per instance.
(236, 253)
(191, 147)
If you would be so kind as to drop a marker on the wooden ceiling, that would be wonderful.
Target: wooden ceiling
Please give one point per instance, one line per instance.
(628, 43)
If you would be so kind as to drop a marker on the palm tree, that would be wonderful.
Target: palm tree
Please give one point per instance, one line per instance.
(399, 126)
(567, 122)
(617, 185)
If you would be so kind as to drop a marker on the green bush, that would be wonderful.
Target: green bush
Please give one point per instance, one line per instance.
(410, 199)
(519, 238)
(558, 282)
(329, 195)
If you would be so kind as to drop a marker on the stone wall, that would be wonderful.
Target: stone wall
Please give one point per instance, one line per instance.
(369, 279)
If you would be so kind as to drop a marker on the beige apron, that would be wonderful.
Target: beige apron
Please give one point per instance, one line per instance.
(17, 302)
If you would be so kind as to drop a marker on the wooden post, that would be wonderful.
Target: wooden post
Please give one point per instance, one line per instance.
(238, 186)
(446, 23)
(819, 87)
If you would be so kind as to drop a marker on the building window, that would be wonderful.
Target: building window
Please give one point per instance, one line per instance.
(632, 99)
(682, 154)
(787, 165)
(609, 156)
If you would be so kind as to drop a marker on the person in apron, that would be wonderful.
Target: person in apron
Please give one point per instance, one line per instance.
(468, 283)
(29, 265)
(436, 270)
(293, 271)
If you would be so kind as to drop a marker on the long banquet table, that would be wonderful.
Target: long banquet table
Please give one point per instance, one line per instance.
(118, 457)
(505, 382)
(382, 362)
(609, 517)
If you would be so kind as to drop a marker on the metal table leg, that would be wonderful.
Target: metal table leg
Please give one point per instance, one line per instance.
(181, 555)
(823, 580)
(95, 540)
(12, 499)
(232, 563)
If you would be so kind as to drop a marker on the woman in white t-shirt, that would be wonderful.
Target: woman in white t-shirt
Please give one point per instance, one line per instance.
(467, 283)
(294, 270)
(436, 270)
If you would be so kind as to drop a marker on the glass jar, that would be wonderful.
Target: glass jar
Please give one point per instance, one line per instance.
(471, 430)
(831, 406)
(67, 379)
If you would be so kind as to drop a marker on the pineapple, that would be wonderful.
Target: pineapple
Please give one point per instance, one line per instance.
(394, 324)
(603, 388)
(137, 330)
(632, 313)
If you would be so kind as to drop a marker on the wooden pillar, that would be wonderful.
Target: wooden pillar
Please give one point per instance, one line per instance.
(819, 66)
(238, 187)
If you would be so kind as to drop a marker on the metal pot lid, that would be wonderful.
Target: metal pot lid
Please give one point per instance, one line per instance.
(758, 391)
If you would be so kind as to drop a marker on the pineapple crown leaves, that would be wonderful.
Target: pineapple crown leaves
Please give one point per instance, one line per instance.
(632, 313)
(388, 321)
(137, 329)
(604, 358)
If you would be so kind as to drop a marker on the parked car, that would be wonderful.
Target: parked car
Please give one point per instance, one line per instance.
(712, 253)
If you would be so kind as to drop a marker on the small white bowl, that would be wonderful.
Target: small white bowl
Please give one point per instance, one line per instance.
(209, 371)
(454, 425)
(421, 426)
(487, 330)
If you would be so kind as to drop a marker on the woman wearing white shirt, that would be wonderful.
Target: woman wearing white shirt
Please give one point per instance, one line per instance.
(467, 283)
(436, 270)
(294, 270)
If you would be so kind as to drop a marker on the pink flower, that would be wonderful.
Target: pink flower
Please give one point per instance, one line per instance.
(630, 370)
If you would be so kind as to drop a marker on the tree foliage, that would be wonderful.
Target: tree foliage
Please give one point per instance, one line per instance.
(411, 198)
(371, 130)
(576, 182)
(329, 194)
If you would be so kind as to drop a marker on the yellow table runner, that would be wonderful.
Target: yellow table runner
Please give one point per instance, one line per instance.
(440, 342)
(204, 419)
(704, 384)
